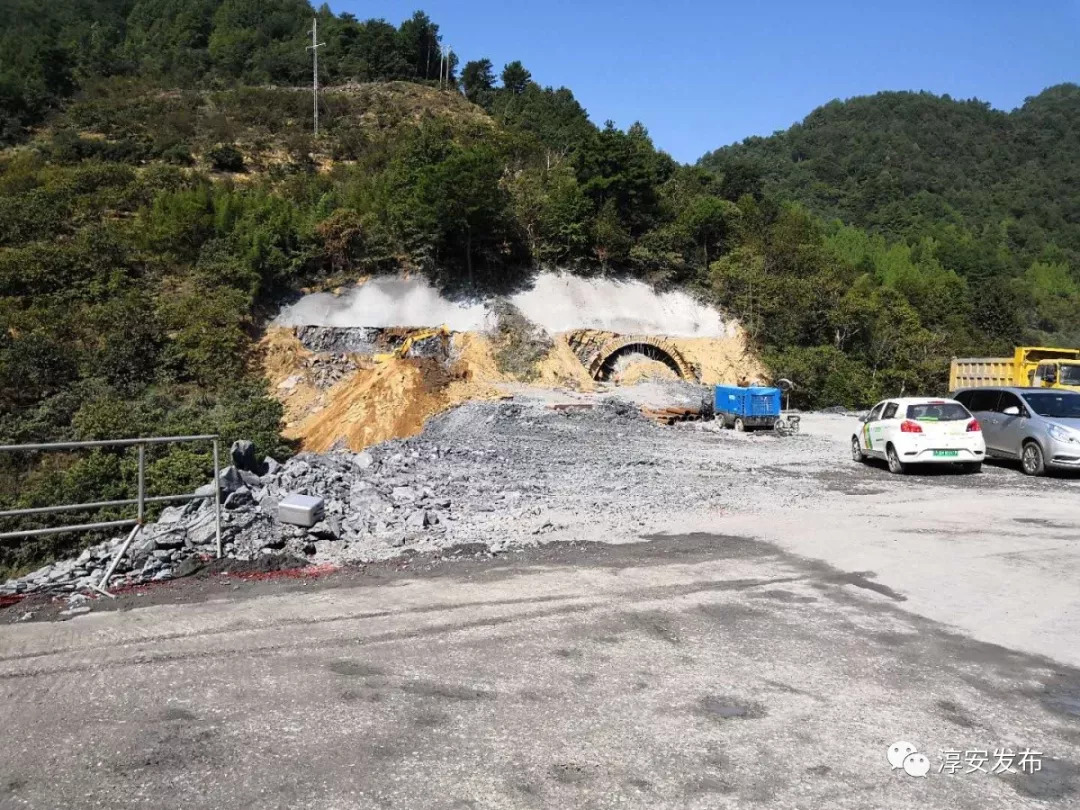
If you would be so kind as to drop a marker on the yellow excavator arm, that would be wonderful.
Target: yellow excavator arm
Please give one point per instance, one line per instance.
(415, 337)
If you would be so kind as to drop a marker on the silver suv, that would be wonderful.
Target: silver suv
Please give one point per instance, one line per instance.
(1040, 427)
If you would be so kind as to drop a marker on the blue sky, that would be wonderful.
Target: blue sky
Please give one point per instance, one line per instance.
(702, 74)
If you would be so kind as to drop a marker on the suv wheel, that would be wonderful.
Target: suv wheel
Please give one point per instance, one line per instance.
(1031, 459)
(856, 451)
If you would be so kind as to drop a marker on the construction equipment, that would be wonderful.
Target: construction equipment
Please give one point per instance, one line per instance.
(788, 425)
(1037, 366)
(746, 407)
(414, 338)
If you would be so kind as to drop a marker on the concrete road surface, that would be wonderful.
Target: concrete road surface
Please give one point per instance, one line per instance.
(700, 670)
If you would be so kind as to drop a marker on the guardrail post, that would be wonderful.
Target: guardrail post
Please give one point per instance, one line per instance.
(142, 483)
(217, 497)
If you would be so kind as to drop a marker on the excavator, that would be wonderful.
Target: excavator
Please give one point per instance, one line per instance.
(403, 350)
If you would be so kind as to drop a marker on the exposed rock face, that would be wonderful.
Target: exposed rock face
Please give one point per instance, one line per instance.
(339, 340)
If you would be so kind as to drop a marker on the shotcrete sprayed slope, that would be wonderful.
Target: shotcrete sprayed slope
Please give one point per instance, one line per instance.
(561, 302)
(385, 301)
(558, 302)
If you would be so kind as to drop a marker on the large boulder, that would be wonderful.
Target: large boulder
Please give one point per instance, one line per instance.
(169, 540)
(229, 480)
(203, 530)
(239, 498)
(243, 457)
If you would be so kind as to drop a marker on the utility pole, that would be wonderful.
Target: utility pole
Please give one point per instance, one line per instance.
(444, 67)
(314, 48)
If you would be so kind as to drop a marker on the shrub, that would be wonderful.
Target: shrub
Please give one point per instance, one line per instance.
(225, 158)
(179, 155)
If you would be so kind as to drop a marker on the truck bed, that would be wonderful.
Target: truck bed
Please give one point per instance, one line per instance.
(979, 372)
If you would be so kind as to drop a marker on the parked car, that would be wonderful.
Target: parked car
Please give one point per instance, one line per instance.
(1040, 427)
(919, 430)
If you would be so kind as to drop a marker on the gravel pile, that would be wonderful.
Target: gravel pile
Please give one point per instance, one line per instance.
(502, 475)
(669, 393)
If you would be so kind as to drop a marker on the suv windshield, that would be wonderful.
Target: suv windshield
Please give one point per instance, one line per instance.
(1056, 405)
(938, 412)
(1070, 375)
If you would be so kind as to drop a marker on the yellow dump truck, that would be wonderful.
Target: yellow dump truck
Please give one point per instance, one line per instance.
(1037, 366)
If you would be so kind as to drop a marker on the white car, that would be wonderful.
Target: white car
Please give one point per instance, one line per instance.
(918, 430)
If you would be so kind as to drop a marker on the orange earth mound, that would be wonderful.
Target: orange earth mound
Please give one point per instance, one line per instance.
(376, 401)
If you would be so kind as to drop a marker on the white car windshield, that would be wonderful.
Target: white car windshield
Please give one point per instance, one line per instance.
(938, 412)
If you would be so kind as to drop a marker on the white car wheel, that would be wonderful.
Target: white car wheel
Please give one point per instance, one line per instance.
(856, 451)
(896, 466)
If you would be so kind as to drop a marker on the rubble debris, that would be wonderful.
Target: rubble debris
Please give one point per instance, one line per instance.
(340, 341)
(572, 406)
(500, 474)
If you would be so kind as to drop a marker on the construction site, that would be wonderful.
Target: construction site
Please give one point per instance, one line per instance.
(376, 361)
(389, 360)
(541, 574)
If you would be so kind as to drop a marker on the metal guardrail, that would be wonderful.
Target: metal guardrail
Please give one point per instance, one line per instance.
(140, 501)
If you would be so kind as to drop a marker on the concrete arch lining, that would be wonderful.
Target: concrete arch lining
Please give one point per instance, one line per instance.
(656, 348)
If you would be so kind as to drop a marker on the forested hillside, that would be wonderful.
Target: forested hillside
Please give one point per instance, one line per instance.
(992, 196)
(907, 164)
(49, 51)
(161, 193)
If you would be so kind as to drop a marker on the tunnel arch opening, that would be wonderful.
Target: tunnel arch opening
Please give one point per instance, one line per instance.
(606, 367)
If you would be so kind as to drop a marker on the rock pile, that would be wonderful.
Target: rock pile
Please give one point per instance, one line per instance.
(341, 341)
(376, 502)
(486, 475)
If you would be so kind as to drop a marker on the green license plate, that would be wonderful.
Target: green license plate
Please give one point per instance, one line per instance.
(946, 453)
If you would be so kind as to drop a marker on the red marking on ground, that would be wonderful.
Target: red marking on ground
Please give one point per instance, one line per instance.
(13, 599)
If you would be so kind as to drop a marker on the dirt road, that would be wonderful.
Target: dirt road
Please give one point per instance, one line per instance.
(764, 650)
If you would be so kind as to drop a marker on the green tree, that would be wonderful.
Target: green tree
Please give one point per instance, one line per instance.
(709, 223)
(478, 81)
(611, 240)
(554, 117)
(553, 213)
(515, 78)
(418, 44)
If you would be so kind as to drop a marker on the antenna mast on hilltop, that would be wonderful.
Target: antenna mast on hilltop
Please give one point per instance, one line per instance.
(314, 48)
